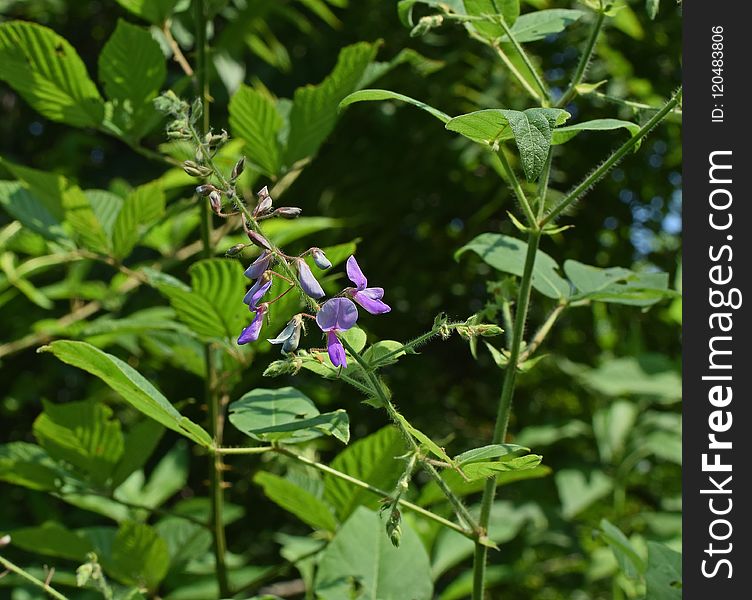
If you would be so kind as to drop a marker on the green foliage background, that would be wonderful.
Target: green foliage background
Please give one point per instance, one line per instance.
(413, 194)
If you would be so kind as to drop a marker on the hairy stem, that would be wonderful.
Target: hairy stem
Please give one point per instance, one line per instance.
(599, 173)
(587, 54)
(517, 188)
(212, 391)
(505, 406)
(398, 420)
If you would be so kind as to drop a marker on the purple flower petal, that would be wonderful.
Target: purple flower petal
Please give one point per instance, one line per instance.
(370, 302)
(258, 266)
(307, 280)
(337, 314)
(336, 350)
(289, 337)
(251, 333)
(355, 274)
(256, 292)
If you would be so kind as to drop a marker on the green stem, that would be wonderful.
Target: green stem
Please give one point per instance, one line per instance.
(398, 419)
(598, 174)
(31, 579)
(216, 417)
(518, 191)
(631, 103)
(543, 183)
(505, 406)
(584, 61)
(545, 96)
(374, 490)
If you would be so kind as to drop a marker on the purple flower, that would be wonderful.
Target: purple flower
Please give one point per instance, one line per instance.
(368, 297)
(336, 315)
(258, 290)
(307, 280)
(251, 333)
(289, 337)
(259, 265)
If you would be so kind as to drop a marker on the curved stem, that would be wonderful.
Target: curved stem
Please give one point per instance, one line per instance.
(505, 406)
(598, 174)
(584, 61)
(177, 53)
(518, 191)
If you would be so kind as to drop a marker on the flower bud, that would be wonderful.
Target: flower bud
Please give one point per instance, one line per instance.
(288, 212)
(259, 240)
(320, 259)
(195, 170)
(215, 200)
(206, 189)
(426, 24)
(235, 250)
(264, 202)
(237, 170)
(307, 281)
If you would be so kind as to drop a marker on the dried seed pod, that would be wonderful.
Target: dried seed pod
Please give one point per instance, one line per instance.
(238, 169)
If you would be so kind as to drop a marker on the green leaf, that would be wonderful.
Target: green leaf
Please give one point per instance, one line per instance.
(425, 441)
(563, 134)
(531, 129)
(356, 337)
(629, 560)
(169, 476)
(154, 11)
(378, 95)
(490, 28)
(83, 434)
(371, 459)
(31, 211)
(29, 466)
(485, 452)
(534, 26)
(130, 384)
(652, 6)
(141, 208)
(185, 540)
(485, 469)
(132, 70)
(286, 415)
(618, 285)
(213, 306)
(300, 502)
(80, 214)
(314, 110)
(138, 445)
(611, 426)
(507, 254)
(647, 375)
(432, 494)
(137, 555)
(577, 492)
(255, 118)
(664, 573)
(48, 73)
(361, 557)
(376, 354)
(52, 539)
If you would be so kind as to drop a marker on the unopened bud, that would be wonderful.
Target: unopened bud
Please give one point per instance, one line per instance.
(206, 189)
(320, 259)
(288, 212)
(264, 202)
(426, 24)
(215, 200)
(235, 250)
(259, 240)
(195, 170)
(237, 170)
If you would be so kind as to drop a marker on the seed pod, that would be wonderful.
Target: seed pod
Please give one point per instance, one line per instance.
(288, 212)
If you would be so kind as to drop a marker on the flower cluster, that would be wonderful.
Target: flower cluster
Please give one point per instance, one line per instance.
(333, 317)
